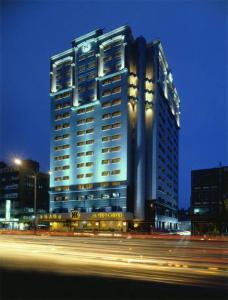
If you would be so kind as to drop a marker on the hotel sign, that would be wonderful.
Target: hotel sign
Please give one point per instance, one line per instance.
(48, 217)
(107, 216)
(75, 214)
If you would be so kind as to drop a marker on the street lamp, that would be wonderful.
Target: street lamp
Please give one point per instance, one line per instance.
(19, 162)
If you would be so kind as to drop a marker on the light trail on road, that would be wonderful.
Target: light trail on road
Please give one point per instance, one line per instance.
(196, 263)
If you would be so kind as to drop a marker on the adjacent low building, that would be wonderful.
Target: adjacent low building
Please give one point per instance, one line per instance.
(17, 191)
(209, 201)
(115, 134)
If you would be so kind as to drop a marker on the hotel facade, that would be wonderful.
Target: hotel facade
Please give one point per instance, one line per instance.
(114, 135)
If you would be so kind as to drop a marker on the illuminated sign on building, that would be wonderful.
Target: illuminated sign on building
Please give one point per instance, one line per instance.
(75, 214)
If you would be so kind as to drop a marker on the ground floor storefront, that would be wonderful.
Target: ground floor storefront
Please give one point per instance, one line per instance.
(77, 221)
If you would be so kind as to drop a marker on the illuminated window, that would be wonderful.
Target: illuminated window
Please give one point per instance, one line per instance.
(104, 184)
(58, 137)
(116, 78)
(105, 196)
(106, 104)
(115, 172)
(118, 54)
(66, 125)
(89, 120)
(106, 93)
(66, 136)
(116, 137)
(107, 47)
(116, 114)
(58, 178)
(91, 65)
(82, 121)
(65, 167)
(80, 165)
(107, 58)
(90, 130)
(80, 175)
(65, 177)
(89, 164)
(90, 108)
(106, 81)
(89, 142)
(114, 149)
(115, 160)
(80, 132)
(105, 173)
(58, 117)
(116, 90)
(106, 127)
(116, 102)
(58, 198)
(66, 115)
(81, 111)
(89, 175)
(81, 68)
(58, 127)
(106, 116)
(105, 150)
(80, 143)
(105, 161)
(81, 79)
(79, 154)
(89, 153)
(91, 76)
(116, 125)
(105, 138)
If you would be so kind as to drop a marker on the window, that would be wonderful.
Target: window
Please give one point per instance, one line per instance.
(66, 125)
(105, 138)
(89, 153)
(58, 198)
(89, 142)
(105, 173)
(90, 108)
(115, 183)
(80, 132)
(105, 150)
(105, 196)
(91, 65)
(106, 116)
(115, 172)
(107, 58)
(104, 184)
(90, 130)
(116, 90)
(106, 127)
(106, 104)
(116, 78)
(81, 79)
(114, 149)
(65, 177)
(89, 164)
(106, 93)
(116, 137)
(58, 127)
(66, 115)
(116, 125)
(116, 114)
(58, 178)
(91, 76)
(80, 165)
(89, 175)
(81, 89)
(79, 154)
(116, 102)
(115, 160)
(80, 175)
(66, 136)
(82, 121)
(89, 120)
(81, 111)
(81, 68)
(65, 167)
(107, 47)
(80, 143)
(105, 161)
(106, 81)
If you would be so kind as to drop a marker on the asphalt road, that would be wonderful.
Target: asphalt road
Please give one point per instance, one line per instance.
(197, 268)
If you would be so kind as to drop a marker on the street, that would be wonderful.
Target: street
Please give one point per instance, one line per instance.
(181, 263)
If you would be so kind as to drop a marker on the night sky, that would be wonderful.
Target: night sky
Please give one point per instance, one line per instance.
(193, 34)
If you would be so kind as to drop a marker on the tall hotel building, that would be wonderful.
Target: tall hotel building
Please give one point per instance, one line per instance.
(114, 143)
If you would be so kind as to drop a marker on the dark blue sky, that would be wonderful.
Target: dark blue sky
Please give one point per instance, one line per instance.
(194, 37)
